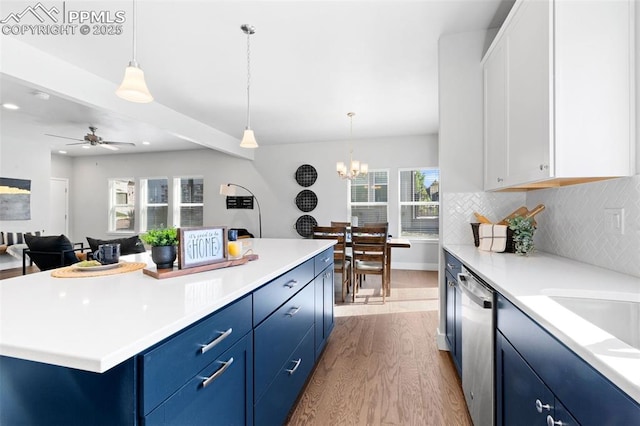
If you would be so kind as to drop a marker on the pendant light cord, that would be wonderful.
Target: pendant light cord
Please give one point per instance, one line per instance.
(248, 79)
(135, 62)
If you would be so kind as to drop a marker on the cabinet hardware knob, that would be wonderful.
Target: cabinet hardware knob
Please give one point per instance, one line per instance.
(291, 283)
(540, 406)
(223, 335)
(544, 166)
(208, 380)
(293, 311)
(552, 422)
(500, 179)
(450, 266)
(452, 283)
(295, 367)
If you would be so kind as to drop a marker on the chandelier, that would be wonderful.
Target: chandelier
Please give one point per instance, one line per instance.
(355, 167)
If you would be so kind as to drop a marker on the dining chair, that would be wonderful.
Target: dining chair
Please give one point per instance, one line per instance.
(369, 245)
(341, 263)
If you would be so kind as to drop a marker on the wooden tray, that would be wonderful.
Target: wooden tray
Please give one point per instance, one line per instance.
(171, 273)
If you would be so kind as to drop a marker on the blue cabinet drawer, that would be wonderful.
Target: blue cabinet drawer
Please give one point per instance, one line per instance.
(278, 336)
(452, 265)
(169, 366)
(273, 407)
(598, 401)
(323, 260)
(224, 399)
(268, 298)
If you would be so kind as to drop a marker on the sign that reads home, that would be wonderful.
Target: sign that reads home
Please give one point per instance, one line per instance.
(202, 246)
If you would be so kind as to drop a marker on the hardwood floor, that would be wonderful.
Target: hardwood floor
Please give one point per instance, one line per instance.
(381, 364)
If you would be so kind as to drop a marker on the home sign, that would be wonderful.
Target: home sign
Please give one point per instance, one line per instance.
(202, 246)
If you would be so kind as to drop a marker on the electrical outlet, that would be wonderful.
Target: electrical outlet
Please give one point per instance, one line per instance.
(614, 221)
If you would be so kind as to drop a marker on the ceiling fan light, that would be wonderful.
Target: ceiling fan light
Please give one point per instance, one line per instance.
(248, 139)
(133, 87)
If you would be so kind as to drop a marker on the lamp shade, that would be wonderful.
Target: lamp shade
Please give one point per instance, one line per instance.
(248, 139)
(228, 190)
(133, 87)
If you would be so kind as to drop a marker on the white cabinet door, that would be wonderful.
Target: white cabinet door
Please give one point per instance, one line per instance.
(495, 119)
(529, 93)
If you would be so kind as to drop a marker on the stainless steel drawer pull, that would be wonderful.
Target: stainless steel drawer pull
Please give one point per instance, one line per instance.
(450, 266)
(326, 259)
(291, 283)
(223, 335)
(295, 367)
(206, 382)
(293, 311)
(540, 406)
(552, 422)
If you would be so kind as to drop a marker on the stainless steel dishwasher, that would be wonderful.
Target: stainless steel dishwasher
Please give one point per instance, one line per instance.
(478, 301)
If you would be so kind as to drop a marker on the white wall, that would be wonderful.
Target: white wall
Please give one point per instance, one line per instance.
(23, 158)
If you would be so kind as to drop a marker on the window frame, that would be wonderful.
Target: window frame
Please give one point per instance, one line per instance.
(143, 182)
(416, 204)
(114, 206)
(351, 204)
(177, 198)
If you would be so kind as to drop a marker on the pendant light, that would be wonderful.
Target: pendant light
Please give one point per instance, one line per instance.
(133, 87)
(355, 167)
(248, 138)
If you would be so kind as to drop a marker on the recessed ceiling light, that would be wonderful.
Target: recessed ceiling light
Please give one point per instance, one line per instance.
(146, 143)
(10, 106)
(62, 152)
(86, 147)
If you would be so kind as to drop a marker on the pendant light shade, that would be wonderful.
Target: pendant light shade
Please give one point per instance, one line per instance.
(248, 138)
(133, 87)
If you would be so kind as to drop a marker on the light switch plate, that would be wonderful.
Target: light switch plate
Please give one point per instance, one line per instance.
(614, 221)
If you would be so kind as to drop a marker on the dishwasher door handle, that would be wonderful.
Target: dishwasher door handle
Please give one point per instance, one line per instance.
(466, 282)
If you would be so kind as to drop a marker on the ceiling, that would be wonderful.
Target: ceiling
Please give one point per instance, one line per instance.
(311, 63)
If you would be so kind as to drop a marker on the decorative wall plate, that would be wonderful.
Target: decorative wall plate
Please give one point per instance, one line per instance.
(306, 200)
(306, 175)
(305, 224)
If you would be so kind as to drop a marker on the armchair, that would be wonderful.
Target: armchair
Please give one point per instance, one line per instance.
(50, 252)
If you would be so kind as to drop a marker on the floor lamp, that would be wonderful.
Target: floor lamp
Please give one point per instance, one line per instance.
(229, 190)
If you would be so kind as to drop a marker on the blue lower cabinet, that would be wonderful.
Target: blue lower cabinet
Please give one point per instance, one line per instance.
(324, 308)
(277, 401)
(220, 394)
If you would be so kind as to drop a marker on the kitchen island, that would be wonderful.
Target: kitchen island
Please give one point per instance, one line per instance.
(546, 304)
(100, 337)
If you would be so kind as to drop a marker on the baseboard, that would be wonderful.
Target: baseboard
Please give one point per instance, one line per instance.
(408, 266)
(441, 341)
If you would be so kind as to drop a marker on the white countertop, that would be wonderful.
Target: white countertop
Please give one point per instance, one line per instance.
(529, 281)
(96, 323)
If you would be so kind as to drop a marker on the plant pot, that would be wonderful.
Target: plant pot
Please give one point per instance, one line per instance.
(164, 256)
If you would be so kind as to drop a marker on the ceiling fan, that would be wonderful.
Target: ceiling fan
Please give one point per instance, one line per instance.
(94, 140)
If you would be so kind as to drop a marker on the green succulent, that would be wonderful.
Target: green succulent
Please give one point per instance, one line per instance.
(161, 237)
(523, 230)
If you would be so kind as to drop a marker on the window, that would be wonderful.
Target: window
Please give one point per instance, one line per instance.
(122, 205)
(154, 203)
(189, 201)
(369, 197)
(419, 203)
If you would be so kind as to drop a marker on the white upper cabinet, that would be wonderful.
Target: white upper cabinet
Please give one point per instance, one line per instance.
(559, 94)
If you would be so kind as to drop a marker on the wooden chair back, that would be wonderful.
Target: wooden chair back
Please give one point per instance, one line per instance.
(369, 251)
(341, 263)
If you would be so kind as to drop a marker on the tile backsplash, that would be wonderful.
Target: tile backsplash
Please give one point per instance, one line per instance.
(459, 207)
(573, 224)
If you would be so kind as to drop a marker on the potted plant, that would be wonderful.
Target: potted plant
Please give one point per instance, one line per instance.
(163, 242)
(523, 230)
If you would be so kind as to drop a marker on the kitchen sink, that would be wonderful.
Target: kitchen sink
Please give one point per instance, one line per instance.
(617, 317)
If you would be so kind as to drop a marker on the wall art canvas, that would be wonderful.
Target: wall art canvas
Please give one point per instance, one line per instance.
(15, 199)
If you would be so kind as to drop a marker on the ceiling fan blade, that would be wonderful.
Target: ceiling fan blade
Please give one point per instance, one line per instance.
(107, 146)
(81, 143)
(118, 143)
(64, 137)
